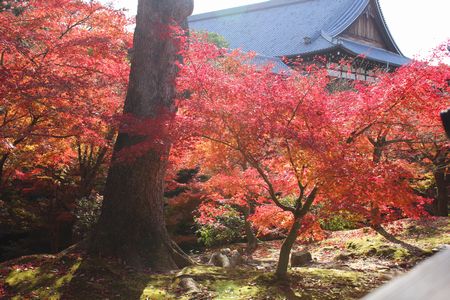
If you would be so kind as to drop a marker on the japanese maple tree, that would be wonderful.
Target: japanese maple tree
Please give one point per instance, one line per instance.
(394, 122)
(278, 125)
(307, 145)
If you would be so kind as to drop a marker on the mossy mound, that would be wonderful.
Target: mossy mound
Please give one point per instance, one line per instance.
(428, 235)
(73, 276)
(376, 246)
(424, 235)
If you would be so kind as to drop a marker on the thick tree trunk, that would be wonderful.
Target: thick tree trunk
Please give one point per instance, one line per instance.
(132, 226)
(440, 205)
(285, 251)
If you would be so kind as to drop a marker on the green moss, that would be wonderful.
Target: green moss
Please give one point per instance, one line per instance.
(376, 247)
(199, 270)
(231, 289)
(316, 283)
(69, 277)
(151, 292)
(429, 237)
(157, 287)
(101, 279)
(329, 274)
(44, 282)
(61, 281)
(16, 277)
(428, 243)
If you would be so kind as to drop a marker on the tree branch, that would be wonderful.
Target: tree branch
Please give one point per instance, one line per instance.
(309, 201)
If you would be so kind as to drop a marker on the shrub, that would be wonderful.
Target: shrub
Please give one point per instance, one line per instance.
(225, 229)
(86, 214)
(338, 222)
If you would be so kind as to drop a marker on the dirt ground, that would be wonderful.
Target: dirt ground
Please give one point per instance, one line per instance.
(346, 265)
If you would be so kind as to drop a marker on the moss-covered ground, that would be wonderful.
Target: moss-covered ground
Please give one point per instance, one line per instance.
(346, 266)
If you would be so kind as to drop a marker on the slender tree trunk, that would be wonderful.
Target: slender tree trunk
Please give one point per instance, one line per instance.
(252, 241)
(132, 226)
(89, 168)
(285, 251)
(391, 238)
(440, 205)
(3, 160)
(300, 211)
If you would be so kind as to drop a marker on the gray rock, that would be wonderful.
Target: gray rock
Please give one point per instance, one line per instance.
(219, 260)
(343, 256)
(439, 248)
(225, 251)
(190, 285)
(301, 258)
(235, 258)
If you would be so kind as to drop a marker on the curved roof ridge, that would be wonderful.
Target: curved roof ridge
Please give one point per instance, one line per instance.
(347, 19)
(245, 8)
(386, 28)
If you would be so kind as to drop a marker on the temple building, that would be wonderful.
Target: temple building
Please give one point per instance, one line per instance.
(281, 31)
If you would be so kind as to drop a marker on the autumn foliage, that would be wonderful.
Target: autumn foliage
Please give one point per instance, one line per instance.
(282, 149)
(287, 145)
(63, 73)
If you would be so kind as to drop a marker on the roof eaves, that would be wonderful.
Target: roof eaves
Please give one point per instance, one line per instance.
(342, 45)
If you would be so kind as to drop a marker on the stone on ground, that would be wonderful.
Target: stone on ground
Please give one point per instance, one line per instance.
(300, 259)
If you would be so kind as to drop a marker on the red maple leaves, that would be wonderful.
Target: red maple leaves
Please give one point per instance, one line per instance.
(288, 135)
(63, 72)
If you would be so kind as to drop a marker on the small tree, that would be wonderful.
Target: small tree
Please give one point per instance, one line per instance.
(395, 123)
(241, 191)
(278, 126)
(301, 141)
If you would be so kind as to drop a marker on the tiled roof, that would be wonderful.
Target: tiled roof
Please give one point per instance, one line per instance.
(279, 28)
(274, 28)
(279, 67)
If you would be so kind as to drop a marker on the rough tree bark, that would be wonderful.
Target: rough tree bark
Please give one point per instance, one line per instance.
(132, 226)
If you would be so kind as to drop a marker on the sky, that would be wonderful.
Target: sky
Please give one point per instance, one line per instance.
(416, 25)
